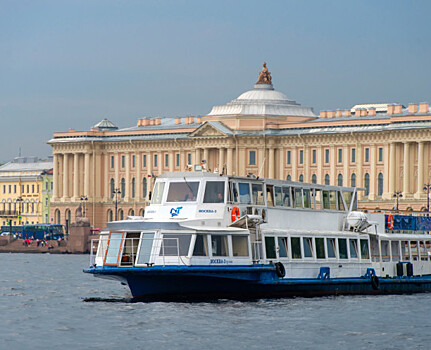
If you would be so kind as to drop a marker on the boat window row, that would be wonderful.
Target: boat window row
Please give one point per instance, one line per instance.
(260, 194)
(401, 250)
(316, 248)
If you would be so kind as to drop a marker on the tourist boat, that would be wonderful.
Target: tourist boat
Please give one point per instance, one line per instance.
(211, 236)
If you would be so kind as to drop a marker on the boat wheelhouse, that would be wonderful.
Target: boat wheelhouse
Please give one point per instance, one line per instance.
(207, 235)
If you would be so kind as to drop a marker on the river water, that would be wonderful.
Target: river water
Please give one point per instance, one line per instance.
(47, 302)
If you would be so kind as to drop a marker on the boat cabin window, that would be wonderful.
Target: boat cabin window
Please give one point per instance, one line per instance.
(340, 201)
(244, 193)
(183, 191)
(295, 245)
(240, 245)
(307, 198)
(297, 200)
(395, 250)
(145, 246)
(115, 242)
(423, 252)
(278, 196)
(405, 250)
(333, 200)
(342, 248)
(414, 250)
(428, 248)
(325, 197)
(308, 247)
(330, 243)
(219, 245)
(269, 195)
(347, 197)
(175, 245)
(365, 252)
(257, 192)
(385, 251)
(201, 246)
(353, 245)
(320, 248)
(317, 195)
(214, 192)
(282, 247)
(270, 248)
(158, 193)
(287, 201)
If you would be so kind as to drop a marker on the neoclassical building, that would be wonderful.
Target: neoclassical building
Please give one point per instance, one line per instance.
(383, 148)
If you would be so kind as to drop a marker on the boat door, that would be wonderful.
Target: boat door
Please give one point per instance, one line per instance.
(145, 249)
(115, 246)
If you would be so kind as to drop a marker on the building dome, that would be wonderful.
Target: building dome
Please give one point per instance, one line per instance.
(263, 100)
(105, 125)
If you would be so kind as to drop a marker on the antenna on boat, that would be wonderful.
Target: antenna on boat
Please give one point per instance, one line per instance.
(261, 167)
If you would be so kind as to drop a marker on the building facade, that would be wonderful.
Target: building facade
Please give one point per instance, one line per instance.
(22, 196)
(383, 148)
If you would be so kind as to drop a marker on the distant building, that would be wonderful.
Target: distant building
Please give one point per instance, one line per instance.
(25, 191)
(381, 147)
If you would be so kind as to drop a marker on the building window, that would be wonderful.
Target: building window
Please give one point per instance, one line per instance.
(144, 160)
(301, 178)
(353, 180)
(133, 161)
(252, 158)
(353, 155)
(177, 159)
(112, 188)
(110, 218)
(166, 160)
(380, 154)
(314, 179)
(189, 159)
(367, 184)
(10, 188)
(288, 157)
(155, 160)
(380, 184)
(327, 179)
(123, 187)
(4, 189)
(37, 189)
(289, 178)
(52, 185)
(144, 187)
(340, 155)
(340, 180)
(32, 189)
(301, 157)
(123, 161)
(14, 188)
(46, 185)
(367, 155)
(112, 162)
(326, 156)
(121, 214)
(314, 156)
(133, 188)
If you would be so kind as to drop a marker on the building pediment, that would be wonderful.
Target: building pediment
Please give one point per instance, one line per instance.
(211, 129)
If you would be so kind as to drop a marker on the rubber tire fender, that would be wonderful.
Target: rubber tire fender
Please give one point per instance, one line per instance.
(375, 283)
(280, 270)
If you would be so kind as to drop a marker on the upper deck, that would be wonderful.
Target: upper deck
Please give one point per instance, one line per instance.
(211, 199)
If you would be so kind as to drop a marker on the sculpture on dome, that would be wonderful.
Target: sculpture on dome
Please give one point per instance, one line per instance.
(264, 76)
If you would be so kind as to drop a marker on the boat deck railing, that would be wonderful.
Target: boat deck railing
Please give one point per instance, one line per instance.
(123, 252)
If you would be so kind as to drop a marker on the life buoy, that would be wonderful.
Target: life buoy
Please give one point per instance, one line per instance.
(375, 283)
(280, 270)
(235, 214)
(390, 222)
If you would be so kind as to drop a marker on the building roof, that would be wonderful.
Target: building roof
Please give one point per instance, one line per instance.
(30, 164)
(105, 124)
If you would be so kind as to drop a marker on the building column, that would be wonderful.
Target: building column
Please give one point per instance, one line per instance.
(373, 174)
(65, 176)
(319, 165)
(420, 183)
(171, 161)
(392, 169)
(346, 166)
(230, 161)
(87, 170)
(138, 181)
(271, 163)
(386, 160)
(333, 166)
(306, 164)
(117, 170)
(55, 177)
(127, 177)
(107, 194)
(282, 163)
(359, 179)
(197, 156)
(406, 170)
(221, 160)
(205, 157)
(294, 164)
(76, 176)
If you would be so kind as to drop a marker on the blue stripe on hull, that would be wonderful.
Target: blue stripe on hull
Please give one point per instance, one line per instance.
(203, 283)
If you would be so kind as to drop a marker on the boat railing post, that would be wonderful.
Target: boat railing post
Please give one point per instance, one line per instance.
(178, 250)
(163, 251)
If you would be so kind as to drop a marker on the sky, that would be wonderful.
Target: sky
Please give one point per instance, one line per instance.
(69, 64)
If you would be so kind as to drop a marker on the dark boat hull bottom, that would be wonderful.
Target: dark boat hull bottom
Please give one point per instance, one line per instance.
(148, 285)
